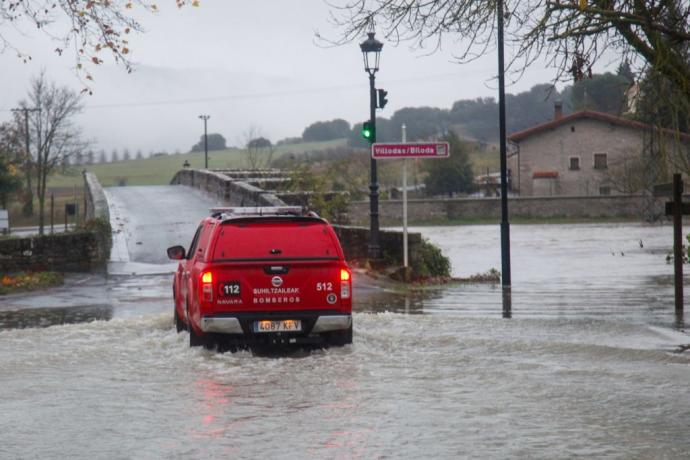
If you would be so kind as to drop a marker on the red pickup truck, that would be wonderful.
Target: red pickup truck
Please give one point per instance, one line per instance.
(263, 276)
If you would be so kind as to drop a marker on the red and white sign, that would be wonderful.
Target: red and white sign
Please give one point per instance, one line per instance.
(414, 150)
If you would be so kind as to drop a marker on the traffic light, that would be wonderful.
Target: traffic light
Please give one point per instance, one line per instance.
(367, 131)
(383, 100)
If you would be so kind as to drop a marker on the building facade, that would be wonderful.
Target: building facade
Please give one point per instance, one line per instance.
(585, 153)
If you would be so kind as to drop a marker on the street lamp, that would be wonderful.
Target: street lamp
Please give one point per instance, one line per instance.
(205, 118)
(371, 50)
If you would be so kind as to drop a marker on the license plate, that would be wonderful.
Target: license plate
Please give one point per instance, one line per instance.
(285, 325)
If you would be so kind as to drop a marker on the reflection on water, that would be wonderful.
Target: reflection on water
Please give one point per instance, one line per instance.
(45, 317)
(507, 302)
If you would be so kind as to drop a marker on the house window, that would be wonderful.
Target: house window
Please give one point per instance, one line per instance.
(600, 161)
(574, 163)
(604, 190)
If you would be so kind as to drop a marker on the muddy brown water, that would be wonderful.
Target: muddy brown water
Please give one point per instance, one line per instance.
(587, 365)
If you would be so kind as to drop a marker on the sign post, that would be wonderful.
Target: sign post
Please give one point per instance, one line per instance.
(404, 150)
(677, 209)
(404, 185)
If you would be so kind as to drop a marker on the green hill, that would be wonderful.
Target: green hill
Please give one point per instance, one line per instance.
(159, 169)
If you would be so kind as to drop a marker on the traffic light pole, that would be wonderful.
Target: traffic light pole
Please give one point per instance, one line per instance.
(374, 246)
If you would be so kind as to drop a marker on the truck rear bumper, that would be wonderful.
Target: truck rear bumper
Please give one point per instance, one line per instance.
(232, 325)
(221, 325)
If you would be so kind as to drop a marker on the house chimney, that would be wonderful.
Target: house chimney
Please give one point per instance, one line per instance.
(557, 110)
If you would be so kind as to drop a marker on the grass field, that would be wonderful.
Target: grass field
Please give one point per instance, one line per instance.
(159, 170)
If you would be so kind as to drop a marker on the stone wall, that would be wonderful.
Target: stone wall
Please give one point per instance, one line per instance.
(355, 243)
(633, 206)
(96, 203)
(68, 252)
(230, 187)
(233, 191)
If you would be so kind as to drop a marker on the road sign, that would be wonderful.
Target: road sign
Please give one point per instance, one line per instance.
(671, 208)
(660, 190)
(410, 150)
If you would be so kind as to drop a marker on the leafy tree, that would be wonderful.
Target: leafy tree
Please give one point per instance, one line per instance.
(523, 110)
(661, 105)
(259, 143)
(215, 142)
(326, 130)
(126, 156)
(385, 132)
(90, 157)
(10, 179)
(625, 71)
(479, 116)
(95, 27)
(102, 157)
(603, 93)
(114, 157)
(571, 35)
(453, 174)
(420, 122)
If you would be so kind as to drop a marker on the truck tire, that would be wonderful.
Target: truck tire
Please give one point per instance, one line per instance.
(179, 325)
(340, 338)
(194, 339)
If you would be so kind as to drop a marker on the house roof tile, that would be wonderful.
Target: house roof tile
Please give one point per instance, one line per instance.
(586, 114)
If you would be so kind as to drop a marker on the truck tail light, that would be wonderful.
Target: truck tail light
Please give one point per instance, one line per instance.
(207, 286)
(345, 283)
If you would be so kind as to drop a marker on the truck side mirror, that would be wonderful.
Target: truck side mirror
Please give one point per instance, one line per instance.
(176, 253)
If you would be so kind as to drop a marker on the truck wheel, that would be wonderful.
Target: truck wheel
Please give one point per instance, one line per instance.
(340, 338)
(194, 339)
(179, 325)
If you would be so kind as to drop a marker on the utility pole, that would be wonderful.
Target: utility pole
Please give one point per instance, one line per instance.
(505, 226)
(205, 118)
(28, 209)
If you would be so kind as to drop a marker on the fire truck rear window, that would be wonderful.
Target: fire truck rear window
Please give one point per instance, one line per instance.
(274, 240)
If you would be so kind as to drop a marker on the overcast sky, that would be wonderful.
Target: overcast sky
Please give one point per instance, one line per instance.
(246, 64)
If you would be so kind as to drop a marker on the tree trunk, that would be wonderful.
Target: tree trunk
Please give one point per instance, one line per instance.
(41, 190)
(28, 207)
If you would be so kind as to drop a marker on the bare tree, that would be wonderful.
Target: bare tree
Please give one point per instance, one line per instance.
(89, 27)
(259, 149)
(571, 34)
(56, 138)
(629, 174)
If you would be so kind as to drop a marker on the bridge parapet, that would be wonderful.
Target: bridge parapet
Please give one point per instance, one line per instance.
(96, 203)
(233, 191)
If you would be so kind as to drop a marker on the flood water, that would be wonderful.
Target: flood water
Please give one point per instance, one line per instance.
(589, 364)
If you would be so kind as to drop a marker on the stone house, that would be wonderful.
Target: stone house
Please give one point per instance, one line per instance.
(584, 153)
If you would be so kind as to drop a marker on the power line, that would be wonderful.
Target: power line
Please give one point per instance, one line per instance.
(265, 95)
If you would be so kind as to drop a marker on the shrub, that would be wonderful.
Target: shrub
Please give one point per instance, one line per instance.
(427, 261)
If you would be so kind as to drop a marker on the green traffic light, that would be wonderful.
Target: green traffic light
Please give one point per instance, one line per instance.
(367, 132)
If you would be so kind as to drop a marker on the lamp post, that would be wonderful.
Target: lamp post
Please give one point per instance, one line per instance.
(371, 50)
(205, 118)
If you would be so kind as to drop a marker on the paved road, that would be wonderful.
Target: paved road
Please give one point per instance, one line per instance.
(148, 220)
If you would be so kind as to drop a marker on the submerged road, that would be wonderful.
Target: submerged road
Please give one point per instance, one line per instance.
(589, 365)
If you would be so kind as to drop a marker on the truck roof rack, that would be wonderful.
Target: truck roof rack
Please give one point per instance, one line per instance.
(253, 211)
